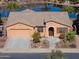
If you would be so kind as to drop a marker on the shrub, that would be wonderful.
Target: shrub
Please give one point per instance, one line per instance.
(56, 55)
(62, 36)
(45, 43)
(36, 37)
(72, 45)
(70, 36)
(67, 39)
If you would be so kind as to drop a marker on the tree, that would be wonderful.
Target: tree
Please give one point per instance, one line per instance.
(68, 8)
(77, 0)
(76, 9)
(55, 55)
(12, 6)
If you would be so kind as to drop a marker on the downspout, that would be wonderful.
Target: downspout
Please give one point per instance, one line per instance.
(44, 28)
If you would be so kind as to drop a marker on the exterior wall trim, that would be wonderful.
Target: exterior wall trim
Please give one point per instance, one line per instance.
(58, 23)
(20, 23)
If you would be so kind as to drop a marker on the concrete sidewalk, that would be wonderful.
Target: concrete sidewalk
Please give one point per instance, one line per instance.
(37, 50)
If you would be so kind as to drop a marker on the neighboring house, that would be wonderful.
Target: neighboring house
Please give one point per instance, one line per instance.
(25, 23)
(2, 30)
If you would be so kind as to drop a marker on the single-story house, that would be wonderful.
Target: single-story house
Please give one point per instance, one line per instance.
(25, 23)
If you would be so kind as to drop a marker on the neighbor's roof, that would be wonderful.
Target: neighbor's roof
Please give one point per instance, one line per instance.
(37, 18)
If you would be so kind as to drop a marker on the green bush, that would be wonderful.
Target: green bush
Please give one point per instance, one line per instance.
(76, 9)
(45, 43)
(68, 8)
(77, 0)
(36, 37)
(67, 39)
(70, 36)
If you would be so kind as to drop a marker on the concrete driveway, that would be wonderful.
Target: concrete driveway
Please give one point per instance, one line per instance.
(17, 42)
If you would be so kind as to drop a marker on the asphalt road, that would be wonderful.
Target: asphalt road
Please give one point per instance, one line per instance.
(34, 55)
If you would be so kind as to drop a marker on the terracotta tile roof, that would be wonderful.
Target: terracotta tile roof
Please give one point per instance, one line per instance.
(37, 18)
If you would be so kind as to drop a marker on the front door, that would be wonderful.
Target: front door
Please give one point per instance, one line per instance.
(51, 31)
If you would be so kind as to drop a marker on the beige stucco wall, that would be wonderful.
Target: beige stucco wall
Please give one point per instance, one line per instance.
(55, 26)
(20, 30)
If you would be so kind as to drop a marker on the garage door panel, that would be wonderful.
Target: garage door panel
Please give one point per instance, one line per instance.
(20, 33)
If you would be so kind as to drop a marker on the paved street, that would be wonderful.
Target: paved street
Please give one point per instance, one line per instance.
(34, 55)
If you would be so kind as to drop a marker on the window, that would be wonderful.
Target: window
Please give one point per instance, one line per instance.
(1, 33)
(40, 28)
(1, 28)
(62, 30)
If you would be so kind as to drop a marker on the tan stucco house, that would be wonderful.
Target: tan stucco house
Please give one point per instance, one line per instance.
(25, 23)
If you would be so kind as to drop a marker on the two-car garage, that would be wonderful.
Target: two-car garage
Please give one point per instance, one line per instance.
(19, 30)
(19, 36)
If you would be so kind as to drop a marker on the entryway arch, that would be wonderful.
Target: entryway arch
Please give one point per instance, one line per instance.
(51, 31)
